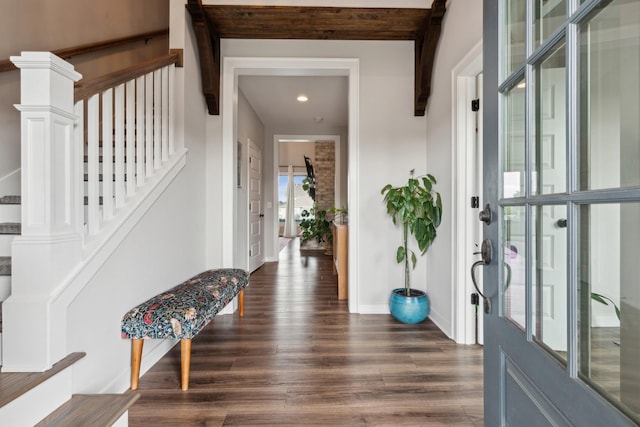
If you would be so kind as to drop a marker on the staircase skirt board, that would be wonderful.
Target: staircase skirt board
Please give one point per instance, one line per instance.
(95, 410)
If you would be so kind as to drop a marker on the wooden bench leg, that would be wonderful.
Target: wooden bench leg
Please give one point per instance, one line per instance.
(185, 362)
(241, 303)
(136, 357)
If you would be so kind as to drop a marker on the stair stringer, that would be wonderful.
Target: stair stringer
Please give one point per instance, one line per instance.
(96, 249)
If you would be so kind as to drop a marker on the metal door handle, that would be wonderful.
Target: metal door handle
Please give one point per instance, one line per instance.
(487, 254)
(485, 214)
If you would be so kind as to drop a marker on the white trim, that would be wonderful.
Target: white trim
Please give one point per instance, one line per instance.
(232, 68)
(463, 81)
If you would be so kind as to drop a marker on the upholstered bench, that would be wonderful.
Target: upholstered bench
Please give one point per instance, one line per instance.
(182, 312)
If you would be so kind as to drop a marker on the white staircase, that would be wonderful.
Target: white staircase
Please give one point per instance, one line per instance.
(68, 220)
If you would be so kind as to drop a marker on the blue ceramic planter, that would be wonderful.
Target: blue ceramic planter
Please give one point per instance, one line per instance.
(409, 309)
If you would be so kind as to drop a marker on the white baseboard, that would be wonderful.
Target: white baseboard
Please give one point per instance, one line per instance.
(374, 309)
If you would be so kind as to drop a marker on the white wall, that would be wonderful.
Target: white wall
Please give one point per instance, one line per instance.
(166, 247)
(462, 30)
(293, 153)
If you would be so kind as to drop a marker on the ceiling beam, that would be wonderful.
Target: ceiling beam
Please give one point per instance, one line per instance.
(208, 43)
(213, 22)
(426, 43)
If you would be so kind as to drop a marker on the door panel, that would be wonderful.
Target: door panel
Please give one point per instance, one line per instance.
(561, 157)
(256, 217)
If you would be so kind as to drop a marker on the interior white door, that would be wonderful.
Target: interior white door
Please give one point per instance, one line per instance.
(256, 215)
(550, 291)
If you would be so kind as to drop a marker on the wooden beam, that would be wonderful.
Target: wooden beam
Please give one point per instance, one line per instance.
(208, 43)
(426, 44)
(315, 23)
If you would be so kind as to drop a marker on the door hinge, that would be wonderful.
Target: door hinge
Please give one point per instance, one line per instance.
(475, 105)
(475, 202)
(475, 299)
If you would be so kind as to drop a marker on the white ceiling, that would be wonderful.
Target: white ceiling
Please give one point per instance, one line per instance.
(274, 100)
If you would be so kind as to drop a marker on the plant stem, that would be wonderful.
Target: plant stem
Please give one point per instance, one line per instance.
(407, 282)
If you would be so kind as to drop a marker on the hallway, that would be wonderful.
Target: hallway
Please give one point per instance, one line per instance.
(299, 358)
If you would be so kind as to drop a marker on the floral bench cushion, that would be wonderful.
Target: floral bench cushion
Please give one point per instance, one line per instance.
(182, 312)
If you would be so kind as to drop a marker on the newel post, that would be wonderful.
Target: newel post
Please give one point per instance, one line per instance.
(34, 330)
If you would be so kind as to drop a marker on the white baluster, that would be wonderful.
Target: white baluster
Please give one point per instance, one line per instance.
(119, 148)
(130, 140)
(140, 128)
(78, 142)
(171, 104)
(107, 155)
(148, 124)
(93, 183)
(157, 114)
(165, 114)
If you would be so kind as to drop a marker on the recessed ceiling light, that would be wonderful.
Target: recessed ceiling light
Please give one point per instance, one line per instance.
(302, 98)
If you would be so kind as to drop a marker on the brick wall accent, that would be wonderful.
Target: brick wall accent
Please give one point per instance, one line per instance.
(324, 168)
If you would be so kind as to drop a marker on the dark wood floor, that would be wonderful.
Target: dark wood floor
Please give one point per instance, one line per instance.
(298, 358)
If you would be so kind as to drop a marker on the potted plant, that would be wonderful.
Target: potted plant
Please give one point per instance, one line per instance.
(315, 225)
(417, 207)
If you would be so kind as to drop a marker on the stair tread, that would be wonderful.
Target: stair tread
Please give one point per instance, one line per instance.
(10, 228)
(10, 200)
(90, 409)
(15, 384)
(5, 266)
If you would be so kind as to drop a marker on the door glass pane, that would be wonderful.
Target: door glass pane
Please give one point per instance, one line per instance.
(550, 148)
(609, 308)
(513, 36)
(609, 97)
(549, 15)
(514, 246)
(549, 266)
(514, 132)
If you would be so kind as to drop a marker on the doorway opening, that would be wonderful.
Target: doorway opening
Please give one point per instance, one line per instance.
(233, 68)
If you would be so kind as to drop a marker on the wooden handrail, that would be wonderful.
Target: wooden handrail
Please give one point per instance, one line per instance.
(87, 88)
(7, 65)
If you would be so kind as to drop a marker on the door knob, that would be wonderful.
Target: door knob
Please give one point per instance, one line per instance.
(485, 214)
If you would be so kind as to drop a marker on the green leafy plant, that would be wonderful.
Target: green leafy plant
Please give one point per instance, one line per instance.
(309, 186)
(603, 300)
(417, 207)
(339, 214)
(315, 225)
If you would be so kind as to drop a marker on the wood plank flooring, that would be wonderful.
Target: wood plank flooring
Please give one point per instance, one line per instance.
(299, 358)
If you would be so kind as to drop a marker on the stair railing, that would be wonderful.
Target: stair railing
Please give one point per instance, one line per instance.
(127, 115)
(120, 128)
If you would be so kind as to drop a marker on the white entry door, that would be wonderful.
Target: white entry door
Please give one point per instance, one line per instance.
(256, 215)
